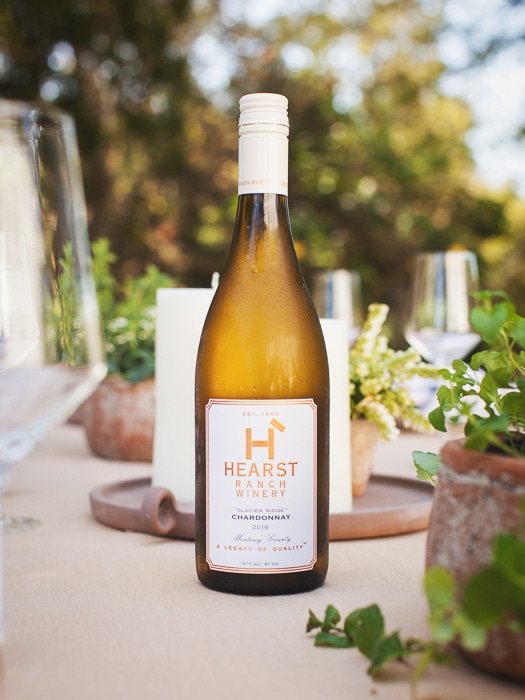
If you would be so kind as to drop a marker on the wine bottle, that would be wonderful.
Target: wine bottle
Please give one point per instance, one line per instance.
(262, 390)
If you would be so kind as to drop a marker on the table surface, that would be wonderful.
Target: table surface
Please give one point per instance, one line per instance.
(95, 613)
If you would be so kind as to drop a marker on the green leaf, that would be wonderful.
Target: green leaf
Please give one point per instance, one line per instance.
(478, 441)
(445, 373)
(427, 465)
(446, 621)
(386, 649)
(473, 635)
(441, 627)
(439, 587)
(498, 363)
(459, 366)
(331, 639)
(482, 432)
(509, 558)
(351, 623)
(489, 321)
(369, 628)
(513, 403)
(495, 423)
(518, 332)
(487, 595)
(445, 397)
(488, 390)
(437, 419)
(331, 618)
(313, 622)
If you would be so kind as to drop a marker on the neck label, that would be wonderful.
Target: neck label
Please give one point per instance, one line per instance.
(263, 163)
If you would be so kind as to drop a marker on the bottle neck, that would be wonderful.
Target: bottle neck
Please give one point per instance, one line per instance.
(262, 234)
(262, 238)
(263, 162)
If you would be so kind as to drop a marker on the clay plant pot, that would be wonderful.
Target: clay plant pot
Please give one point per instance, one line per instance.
(477, 496)
(119, 420)
(364, 436)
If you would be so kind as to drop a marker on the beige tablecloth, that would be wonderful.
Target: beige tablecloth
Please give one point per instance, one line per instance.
(95, 613)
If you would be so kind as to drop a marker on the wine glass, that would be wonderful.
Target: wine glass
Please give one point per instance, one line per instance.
(337, 294)
(51, 355)
(441, 298)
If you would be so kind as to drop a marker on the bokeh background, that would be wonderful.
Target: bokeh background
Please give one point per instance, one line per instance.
(384, 155)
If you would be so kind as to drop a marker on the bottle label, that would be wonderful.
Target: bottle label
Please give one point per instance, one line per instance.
(261, 499)
(263, 164)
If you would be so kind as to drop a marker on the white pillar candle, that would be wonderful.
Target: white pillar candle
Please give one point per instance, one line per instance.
(180, 317)
(335, 333)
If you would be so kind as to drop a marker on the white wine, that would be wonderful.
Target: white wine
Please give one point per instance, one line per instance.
(262, 390)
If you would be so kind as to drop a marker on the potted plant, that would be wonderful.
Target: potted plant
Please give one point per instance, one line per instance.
(480, 482)
(475, 578)
(119, 417)
(379, 393)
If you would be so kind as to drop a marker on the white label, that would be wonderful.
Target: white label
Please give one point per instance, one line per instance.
(263, 164)
(261, 500)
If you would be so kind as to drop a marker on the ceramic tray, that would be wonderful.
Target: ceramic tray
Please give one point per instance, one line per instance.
(390, 506)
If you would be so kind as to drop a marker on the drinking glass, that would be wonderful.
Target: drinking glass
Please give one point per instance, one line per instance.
(441, 298)
(337, 294)
(51, 355)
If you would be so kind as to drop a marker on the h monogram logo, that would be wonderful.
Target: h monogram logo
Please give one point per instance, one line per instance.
(269, 443)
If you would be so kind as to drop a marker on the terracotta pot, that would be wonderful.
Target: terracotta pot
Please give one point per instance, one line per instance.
(119, 420)
(76, 417)
(477, 496)
(364, 436)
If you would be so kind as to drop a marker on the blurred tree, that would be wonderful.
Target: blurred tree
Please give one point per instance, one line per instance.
(378, 162)
(121, 68)
(375, 180)
(495, 27)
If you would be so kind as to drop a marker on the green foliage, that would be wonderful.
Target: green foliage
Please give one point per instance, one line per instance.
(128, 315)
(496, 594)
(490, 391)
(493, 596)
(448, 620)
(364, 629)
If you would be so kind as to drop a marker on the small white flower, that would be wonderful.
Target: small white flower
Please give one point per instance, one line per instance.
(117, 324)
(378, 375)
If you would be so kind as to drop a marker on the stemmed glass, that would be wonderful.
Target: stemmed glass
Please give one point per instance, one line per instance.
(337, 294)
(441, 298)
(51, 355)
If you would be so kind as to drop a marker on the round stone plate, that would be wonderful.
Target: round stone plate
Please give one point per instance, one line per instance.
(390, 506)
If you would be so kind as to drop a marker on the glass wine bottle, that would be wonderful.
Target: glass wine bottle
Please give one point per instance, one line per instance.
(262, 390)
